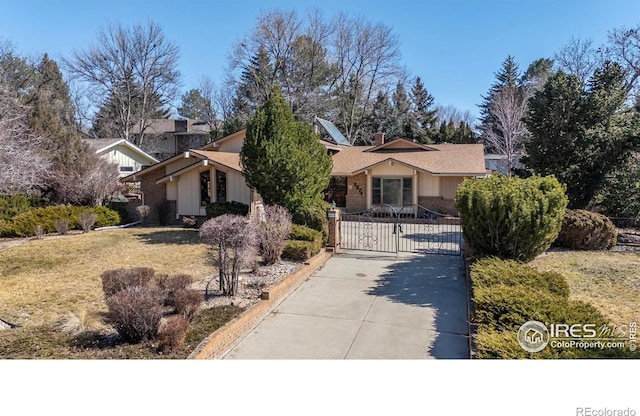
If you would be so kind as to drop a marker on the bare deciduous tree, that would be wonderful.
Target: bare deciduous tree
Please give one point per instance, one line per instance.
(506, 135)
(367, 56)
(136, 67)
(23, 163)
(92, 181)
(624, 47)
(578, 57)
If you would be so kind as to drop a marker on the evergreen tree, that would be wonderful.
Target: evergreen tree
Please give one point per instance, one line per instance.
(282, 159)
(424, 114)
(508, 76)
(580, 135)
(404, 125)
(256, 82)
(52, 116)
(194, 106)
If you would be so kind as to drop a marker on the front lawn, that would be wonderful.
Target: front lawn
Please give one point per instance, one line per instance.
(610, 281)
(42, 281)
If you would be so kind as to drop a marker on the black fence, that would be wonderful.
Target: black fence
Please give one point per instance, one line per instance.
(411, 228)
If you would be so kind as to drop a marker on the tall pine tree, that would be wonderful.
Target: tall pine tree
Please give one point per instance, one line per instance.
(283, 160)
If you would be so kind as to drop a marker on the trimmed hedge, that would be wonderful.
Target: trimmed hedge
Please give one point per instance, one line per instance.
(298, 250)
(217, 209)
(23, 225)
(510, 217)
(303, 243)
(506, 294)
(314, 217)
(585, 230)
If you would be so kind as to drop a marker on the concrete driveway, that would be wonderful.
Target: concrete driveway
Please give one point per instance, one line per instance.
(363, 307)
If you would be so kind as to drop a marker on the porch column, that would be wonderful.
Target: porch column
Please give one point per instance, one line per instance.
(415, 189)
(367, 190)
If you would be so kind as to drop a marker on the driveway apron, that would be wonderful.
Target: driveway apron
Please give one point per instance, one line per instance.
(369, 307)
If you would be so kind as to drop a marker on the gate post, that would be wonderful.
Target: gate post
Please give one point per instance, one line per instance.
(333, 215)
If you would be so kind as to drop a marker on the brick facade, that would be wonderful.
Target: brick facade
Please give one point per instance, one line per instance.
(438, 204)
(154, 196)
(357, 193)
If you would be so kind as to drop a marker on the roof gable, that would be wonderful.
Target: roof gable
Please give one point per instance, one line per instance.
(105, 145)
(400, 145)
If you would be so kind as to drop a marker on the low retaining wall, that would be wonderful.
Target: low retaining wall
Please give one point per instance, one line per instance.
(224, 339)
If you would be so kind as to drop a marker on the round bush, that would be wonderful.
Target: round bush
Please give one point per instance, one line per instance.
(510, 217)
(135, 312)
(585, 230)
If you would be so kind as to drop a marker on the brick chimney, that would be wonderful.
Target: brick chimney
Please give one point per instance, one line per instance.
(378, 139)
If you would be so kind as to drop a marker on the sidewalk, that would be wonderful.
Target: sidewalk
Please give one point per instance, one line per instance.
(359, 307)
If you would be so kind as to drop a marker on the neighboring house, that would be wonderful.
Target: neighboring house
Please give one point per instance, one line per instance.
(165, 138)
(397, 173)
(498, 163)
(127, 156)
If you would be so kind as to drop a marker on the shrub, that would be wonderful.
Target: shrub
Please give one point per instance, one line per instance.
(234, 239)
(106, 217)
(172, 284)
(87, 219)
(188, 302)
(510, 217)
(273, 233)
(298, 250)
(121, 208)
(299, 234)
(61, 225)
(189, 221)
(143, 213)
(585, 230)
(491, 272)
(135, 312)
(75, 323)
(38, 231)
(217, 209)
(506, 294)
(116, 280)
(314, 217)
(12, 205)
(172, 333)
(23, 225)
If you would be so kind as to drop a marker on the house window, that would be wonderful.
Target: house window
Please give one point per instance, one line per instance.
(221, 186)
(126, 168)
(392, 191)
(205, 188)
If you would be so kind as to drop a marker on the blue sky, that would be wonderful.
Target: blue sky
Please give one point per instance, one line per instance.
(455, 46)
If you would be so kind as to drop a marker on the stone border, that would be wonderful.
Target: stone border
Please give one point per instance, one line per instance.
(220, 342)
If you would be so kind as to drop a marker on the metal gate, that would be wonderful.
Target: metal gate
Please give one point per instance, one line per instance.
(411, 228)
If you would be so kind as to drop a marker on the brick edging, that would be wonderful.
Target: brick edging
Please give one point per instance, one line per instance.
(217, 344)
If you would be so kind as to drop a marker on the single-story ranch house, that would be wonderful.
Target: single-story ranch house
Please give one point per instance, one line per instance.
(397, 173)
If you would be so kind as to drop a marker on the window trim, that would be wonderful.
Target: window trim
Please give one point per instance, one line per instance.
(401, 191)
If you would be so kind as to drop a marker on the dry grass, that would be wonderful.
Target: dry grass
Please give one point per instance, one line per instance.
(608, 280)
(42, 281)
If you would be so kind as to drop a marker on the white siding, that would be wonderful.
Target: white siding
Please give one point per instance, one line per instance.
(428, 185)
(450, 186)
(237, 189)
(179, 164)
(123, 156)
(232, 145)
(172, 191)
(391, 170)
(189, 193)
